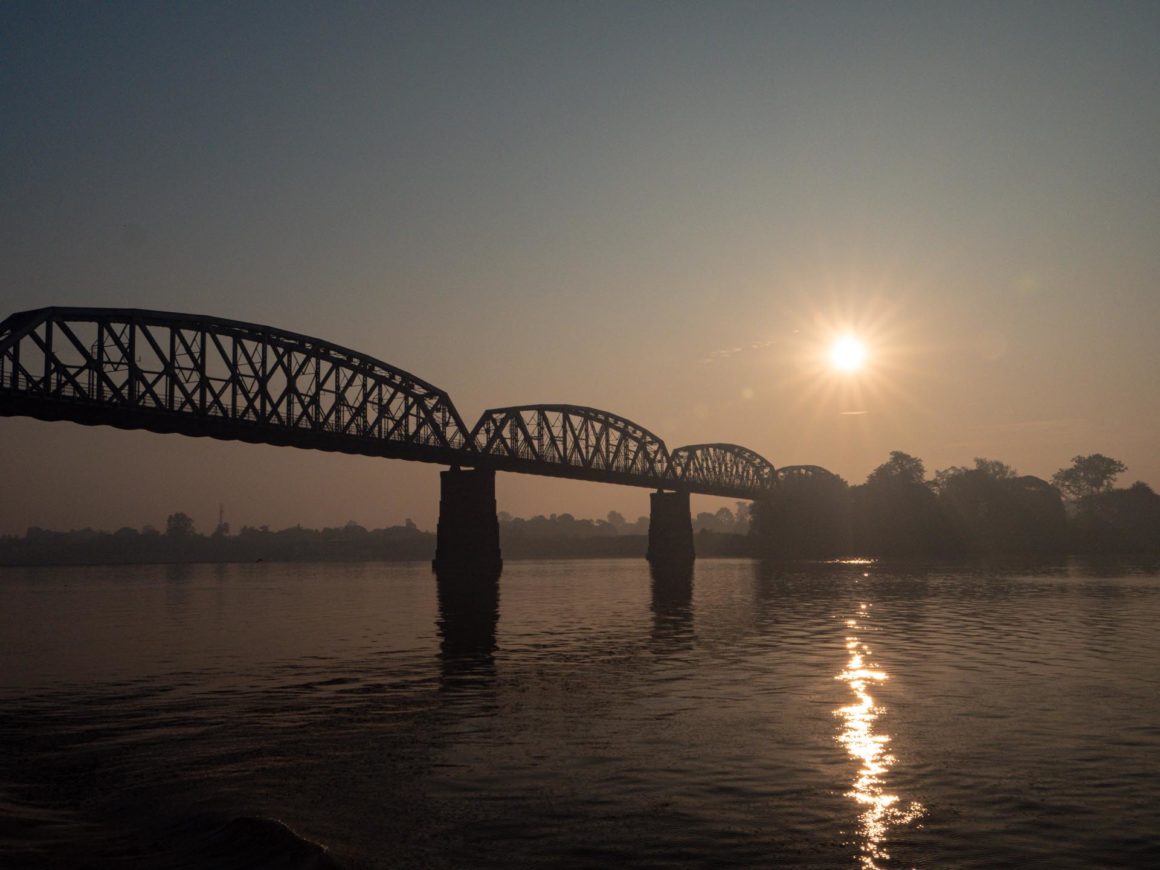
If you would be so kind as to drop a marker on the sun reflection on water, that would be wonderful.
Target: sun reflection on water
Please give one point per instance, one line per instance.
(880, 810)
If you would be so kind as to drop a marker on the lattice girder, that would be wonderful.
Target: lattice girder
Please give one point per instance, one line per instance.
(222, 378)
(572, 441)
(804, 472)
(729, 470)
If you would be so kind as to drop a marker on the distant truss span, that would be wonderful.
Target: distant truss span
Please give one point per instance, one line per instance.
(572, 441)
(207, 376)
(804, 472)
(728, 470)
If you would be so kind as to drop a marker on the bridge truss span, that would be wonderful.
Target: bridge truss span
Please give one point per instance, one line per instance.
(209, 376)
(727, 470)
(572, 441)
(206, 376)
(789, 473)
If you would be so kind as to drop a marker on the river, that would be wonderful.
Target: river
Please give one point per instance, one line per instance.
(580, 714)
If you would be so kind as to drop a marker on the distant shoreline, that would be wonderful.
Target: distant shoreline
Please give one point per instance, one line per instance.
(986, 512)
(416, 547)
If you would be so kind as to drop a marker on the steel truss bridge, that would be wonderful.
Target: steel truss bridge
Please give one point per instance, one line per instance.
(207, 376)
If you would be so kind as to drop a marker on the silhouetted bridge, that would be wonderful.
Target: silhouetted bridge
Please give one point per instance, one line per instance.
(207, 376)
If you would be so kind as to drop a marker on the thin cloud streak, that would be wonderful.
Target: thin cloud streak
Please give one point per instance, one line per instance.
(726, 353)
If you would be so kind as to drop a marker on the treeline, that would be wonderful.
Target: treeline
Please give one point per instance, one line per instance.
(180, 542)
(566, 536)
(987, 509)
(540, 537)
(721, 533)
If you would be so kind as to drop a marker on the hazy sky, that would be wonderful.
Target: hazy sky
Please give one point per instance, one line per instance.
(665, 210)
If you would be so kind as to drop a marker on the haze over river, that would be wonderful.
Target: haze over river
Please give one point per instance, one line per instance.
(826, 715)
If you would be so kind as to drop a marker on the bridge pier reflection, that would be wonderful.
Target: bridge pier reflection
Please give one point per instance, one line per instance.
(670, 529)
(672, 606)
(467, 537)
(468, 615)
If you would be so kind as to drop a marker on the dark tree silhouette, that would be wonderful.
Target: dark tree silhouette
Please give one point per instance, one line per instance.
(995, 469)
(806, 517)
(1118, 520)
(991, 512)
(895, 513)
(179, 525)
(1088, 475)
(901, 467)
(992, 469)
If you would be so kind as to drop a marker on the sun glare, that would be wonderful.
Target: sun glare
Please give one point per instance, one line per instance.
(848, 360)
(847, 354)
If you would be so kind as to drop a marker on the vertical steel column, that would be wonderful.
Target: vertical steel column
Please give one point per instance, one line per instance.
(96, 377)
(48, 356)
(201, 373)
(171, 372)
(134, 374)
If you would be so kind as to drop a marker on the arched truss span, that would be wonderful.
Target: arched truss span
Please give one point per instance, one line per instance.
(723, 469)
(208, 376)
(804, 472)
(571, 441)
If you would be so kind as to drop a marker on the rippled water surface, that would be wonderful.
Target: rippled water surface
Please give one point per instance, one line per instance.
(580, 713)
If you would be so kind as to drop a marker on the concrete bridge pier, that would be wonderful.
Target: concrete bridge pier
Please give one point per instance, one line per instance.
(670, 529)
(467, 537)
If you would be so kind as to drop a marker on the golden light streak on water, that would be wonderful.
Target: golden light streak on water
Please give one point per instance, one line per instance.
(880, 809)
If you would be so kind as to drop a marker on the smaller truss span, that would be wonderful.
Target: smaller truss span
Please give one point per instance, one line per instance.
(572, 441)
(804, 472)
(727, 470)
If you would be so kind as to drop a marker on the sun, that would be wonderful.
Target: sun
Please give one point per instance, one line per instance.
(847, 354)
